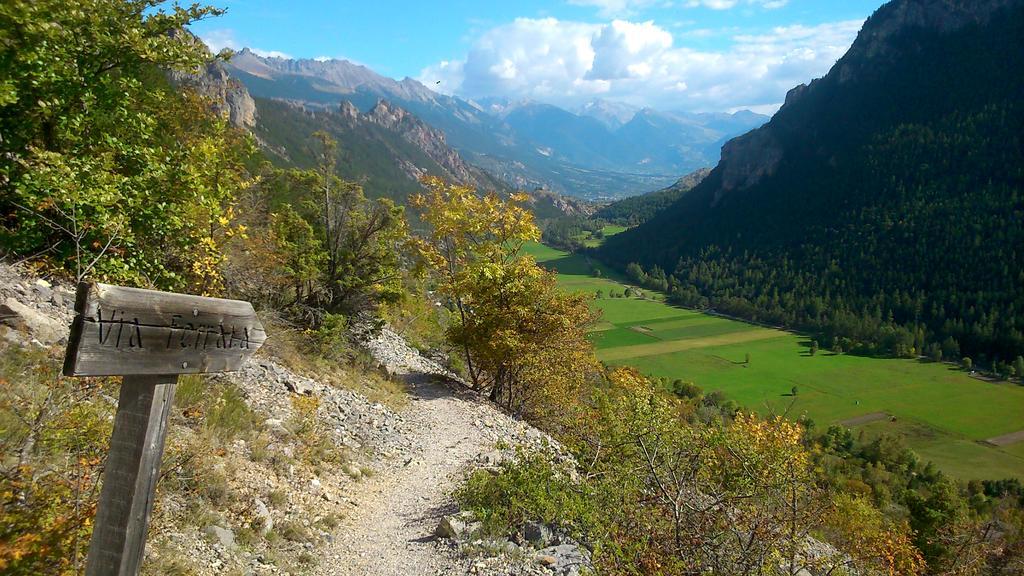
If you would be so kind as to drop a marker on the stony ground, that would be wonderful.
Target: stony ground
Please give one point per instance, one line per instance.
(390, 533)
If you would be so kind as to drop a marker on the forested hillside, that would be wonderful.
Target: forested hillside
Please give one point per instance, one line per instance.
(882, 206)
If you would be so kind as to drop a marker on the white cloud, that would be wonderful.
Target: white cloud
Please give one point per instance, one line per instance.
(217, 40)
(271, 53)
(567, 63)
(625, 50)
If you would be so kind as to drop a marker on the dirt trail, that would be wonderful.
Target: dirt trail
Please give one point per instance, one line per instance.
(390, 528)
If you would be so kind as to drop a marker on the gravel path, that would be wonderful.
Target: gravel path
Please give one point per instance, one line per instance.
(389, 531)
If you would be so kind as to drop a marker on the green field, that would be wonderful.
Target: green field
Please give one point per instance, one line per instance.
(943, 414)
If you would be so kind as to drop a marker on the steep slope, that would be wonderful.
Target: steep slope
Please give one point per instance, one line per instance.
(639, 209)
(251, 482)
(387, 149)
(229, 97)
(882, 203)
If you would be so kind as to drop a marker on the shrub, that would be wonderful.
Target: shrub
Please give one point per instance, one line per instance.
(534, 487)
(53, 437)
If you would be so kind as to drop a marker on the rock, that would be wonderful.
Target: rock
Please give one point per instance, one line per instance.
(299, 385)
(461, 526)
(547, 560)
(275, 426)
(569, 559)
(228, 97)
(264, 521)
(537, 534)
(492, 458)
(43, 283)
(225, 537)
(26, 319)
(43, 293)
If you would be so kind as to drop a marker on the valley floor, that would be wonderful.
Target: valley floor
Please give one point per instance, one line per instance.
(970, 428)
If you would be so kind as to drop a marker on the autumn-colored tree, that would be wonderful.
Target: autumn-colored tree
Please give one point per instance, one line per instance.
(53, 441)
(872, 544)
(739, 496)
(523, 341)
(723, 499)
(976, 545)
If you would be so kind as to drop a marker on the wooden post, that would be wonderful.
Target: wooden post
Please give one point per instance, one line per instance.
(149, 337)
(129, 479)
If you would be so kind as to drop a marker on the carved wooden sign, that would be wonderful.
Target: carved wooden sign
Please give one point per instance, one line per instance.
(120, 331)
(150, 338)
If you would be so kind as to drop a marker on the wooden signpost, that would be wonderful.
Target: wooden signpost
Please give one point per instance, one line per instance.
(150, 338)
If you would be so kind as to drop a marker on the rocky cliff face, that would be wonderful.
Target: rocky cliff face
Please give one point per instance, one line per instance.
(228, 96)
(424, 137)
(548, 204)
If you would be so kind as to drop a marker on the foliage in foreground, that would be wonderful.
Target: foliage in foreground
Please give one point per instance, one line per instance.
(53, 441)
(658, 490)
(106, 170)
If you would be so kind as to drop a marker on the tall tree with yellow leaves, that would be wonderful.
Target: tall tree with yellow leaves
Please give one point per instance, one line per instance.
(523, 341)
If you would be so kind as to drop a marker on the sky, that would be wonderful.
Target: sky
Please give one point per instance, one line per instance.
(687, 55)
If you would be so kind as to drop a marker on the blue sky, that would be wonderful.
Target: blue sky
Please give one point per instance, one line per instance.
(670, 54)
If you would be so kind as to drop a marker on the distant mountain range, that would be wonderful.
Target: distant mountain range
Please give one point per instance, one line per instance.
(605, 150)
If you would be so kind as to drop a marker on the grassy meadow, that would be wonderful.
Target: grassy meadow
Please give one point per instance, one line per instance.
(943, 414)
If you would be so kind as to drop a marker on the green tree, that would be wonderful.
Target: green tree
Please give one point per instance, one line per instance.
(351, 261)
(303, 253)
